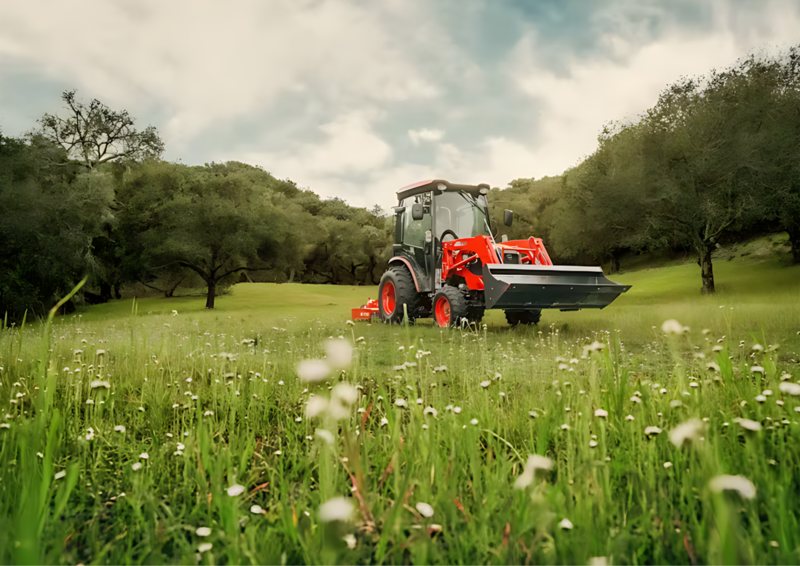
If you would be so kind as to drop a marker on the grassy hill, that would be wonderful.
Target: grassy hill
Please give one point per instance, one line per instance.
(758, 294)
(133, 434)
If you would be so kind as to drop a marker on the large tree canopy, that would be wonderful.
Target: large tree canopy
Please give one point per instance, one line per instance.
(213, 220)
(49, 213)
(95, 134)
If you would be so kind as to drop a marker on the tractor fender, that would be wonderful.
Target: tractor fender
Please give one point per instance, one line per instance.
(414, 269)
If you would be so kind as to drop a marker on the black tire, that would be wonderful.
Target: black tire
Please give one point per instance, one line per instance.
(523, 317)
(405, 293)
(449, 306)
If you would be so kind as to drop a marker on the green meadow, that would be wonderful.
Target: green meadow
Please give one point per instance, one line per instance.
(270, 430)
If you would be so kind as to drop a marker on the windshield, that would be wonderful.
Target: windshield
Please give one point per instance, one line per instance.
(461, 213)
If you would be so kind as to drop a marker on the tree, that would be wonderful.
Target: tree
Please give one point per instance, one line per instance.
(211, 220)
(49, 213)
(95, 134)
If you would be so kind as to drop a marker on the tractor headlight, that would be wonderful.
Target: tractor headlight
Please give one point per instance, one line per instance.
(484, 191)
(441, 187)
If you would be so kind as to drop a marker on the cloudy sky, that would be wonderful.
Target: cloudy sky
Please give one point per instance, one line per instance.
(358, 98)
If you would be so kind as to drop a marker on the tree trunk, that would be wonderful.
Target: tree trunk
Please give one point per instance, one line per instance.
(707, 269)
(117, 293)
(170, 292)
(794, 240)
(291, 275)
(614, 262)
(212, 293)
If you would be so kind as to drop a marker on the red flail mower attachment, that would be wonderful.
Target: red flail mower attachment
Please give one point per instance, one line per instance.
(368, 311)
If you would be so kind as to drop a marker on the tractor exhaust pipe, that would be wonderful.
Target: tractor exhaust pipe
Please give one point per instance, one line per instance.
(565, 287)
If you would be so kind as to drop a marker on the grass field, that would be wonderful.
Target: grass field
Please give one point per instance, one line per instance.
(135, 434)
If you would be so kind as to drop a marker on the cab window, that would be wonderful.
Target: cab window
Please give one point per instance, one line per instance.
(414, 230)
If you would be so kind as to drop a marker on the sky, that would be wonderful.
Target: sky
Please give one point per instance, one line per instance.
(356, 99)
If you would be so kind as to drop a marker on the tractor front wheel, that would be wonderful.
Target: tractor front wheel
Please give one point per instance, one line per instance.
(523, 317)
(449, 306)
(397, 289)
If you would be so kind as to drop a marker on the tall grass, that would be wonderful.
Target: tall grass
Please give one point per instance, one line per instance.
(200, 404)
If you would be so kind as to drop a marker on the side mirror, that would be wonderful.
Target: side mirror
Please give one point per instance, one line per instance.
(508, 217)
(417, 211)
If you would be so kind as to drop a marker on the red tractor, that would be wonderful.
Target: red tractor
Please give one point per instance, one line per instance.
(447, 263)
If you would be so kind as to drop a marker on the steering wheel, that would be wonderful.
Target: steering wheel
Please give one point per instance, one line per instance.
(446, 232)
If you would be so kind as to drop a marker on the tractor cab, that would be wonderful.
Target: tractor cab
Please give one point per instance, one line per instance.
(446, 262)
(434, 212)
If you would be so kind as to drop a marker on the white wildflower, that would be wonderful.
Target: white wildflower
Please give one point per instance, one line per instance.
(535, 462)
(424, 509)
(235, 490)
(673, 327)
(325, 435)
(345, 392)
(336, 509)
(315, 406)
(313, 370)
(690, 430)
(339, 354)
(749, 424)
(733, 483)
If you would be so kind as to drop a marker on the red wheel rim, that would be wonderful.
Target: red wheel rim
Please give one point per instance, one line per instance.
(442, 311)
(387, 297)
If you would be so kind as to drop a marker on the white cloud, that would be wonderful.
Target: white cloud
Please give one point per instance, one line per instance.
(424, 135)
(205, 62)
(203, 65)
(575, 106)
(350, 147)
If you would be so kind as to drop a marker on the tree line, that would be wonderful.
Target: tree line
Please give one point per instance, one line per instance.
(715, 160)
(89, 195)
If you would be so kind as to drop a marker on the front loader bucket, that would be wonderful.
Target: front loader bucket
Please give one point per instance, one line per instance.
(565, 287)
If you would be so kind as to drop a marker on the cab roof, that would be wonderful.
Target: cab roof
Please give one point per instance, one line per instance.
(427, 186)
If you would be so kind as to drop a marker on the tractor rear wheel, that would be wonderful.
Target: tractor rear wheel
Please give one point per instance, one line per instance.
(449, 307)
(397, 289)
(523, 317)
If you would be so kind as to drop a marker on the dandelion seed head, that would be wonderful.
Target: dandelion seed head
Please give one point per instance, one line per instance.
(424, 509)
(733, 483)
(336, 509)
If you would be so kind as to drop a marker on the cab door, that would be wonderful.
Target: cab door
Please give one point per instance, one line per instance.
(413, 236)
